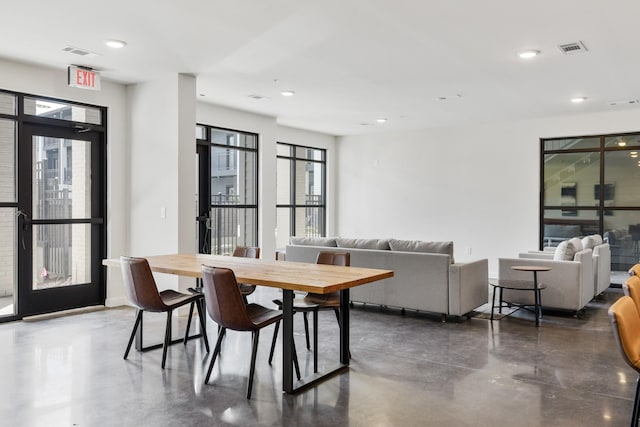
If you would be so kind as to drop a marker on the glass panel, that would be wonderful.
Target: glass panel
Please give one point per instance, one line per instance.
(283, 181)
(309, 222)
(622, 141)
(7, 161)
(7, 104)
(7, 262)
(622, 231)
(622, 175)
(231, 227)
(61, 255)
(569, 179)
(61, 178)
(571, 143)
(309, 153)
(283, 223)
(233, 176)
(309, 178)
(235, 139)
(284, 150)
(563, 224)
(62, 111)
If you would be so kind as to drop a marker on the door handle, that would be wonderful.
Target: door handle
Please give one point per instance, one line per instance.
(26, 222)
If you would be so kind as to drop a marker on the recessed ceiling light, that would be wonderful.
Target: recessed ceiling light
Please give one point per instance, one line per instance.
(622, 143)
(633, 156)
(115, 44)
(528, 54)
(578, 100)
(287, 93)
(381, 120)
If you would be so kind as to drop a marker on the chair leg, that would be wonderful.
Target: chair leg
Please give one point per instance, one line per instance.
(133, 333)
(203, 325)
(296, 365)
(636, 405)
(215, 353)
(167, 338)
(306, 328)
(273, 341)
(254, 349)
(186, 332)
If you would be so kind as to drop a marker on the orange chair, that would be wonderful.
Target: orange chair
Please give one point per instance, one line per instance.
(631, 289)
(142, 292)
(635, 270)
(626, 324)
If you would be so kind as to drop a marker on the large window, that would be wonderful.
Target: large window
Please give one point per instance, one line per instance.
(301, 202)
(590, 185)
(227, 189)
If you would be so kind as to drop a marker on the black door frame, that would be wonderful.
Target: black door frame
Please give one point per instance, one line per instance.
(30, 302)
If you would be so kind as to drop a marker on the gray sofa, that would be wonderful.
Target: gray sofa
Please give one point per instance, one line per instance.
(426, 278)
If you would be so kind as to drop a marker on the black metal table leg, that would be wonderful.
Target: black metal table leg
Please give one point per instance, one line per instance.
(287, 341)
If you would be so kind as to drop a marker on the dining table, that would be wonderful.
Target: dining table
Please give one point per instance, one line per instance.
(291, 277)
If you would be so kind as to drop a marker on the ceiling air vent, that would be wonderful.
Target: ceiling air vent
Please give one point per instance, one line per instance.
(79, 51)
(576, 47)
(625, 102)
(257, 97)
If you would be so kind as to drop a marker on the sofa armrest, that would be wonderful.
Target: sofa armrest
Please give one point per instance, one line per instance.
(468, 286)
(569, 283)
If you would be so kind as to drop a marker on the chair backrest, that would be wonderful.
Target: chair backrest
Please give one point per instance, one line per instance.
(631, 289)
(626, 324)
(334, 258)
(247, 252)
(224, 302)
(139, 284)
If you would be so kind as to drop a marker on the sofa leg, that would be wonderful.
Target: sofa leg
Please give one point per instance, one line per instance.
(443, 318)
(402, 311)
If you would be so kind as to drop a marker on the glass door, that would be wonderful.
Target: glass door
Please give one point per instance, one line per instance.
(60, 228)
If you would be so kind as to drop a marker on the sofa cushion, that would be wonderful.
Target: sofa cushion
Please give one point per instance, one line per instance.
(567, 249)
(588, 242)
(421, 246)
(313, 241)
(380, 244)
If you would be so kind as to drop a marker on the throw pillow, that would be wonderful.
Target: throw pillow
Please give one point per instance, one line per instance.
(566, 250)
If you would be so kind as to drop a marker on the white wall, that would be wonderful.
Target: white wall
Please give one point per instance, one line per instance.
(162, 155)
(476, 185)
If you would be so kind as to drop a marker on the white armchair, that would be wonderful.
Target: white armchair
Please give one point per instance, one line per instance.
(601, 260)
(570, 284)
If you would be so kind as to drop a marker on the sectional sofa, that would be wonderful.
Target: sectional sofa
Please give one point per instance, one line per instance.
(426, 278)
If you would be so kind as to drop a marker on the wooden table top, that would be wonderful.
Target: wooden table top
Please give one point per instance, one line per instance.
(297, 276)
(530, 268)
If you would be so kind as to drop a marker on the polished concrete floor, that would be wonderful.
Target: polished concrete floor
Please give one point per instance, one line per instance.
(407, 370)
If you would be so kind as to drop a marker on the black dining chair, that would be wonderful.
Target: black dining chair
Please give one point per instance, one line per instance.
(227, 308)
(142, 292)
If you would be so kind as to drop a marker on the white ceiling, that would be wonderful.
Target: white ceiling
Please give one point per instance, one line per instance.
(352, 61)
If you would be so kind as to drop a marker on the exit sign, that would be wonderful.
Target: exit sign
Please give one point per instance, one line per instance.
(84, 78)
